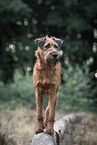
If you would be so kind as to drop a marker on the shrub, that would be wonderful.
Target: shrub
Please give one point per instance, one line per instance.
(18, 92)
(77, 90)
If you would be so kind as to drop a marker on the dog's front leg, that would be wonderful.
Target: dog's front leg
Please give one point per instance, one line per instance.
(39, 107)
(50, 123)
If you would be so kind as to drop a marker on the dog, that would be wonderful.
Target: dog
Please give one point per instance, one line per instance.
(46, 80)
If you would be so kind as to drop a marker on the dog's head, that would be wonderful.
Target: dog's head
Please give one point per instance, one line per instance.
(48, 49)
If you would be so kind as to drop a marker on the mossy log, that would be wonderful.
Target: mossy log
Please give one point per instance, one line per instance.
(61, 131)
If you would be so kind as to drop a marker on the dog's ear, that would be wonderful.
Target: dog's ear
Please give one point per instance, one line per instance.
(40, 42)
(58, 41)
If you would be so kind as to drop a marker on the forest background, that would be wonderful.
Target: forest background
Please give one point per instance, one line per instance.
(73, 21)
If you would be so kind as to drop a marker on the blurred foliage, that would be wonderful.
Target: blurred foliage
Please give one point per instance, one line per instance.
(12, 10)
(76, 90)
(21, 21)
(19, 92)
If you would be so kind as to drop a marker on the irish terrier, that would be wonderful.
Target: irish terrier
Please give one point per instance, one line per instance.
(46, 80)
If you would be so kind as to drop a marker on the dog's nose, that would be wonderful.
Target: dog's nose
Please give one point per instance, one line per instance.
(54, 55)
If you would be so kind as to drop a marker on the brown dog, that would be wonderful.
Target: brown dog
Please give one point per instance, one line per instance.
(46, 80)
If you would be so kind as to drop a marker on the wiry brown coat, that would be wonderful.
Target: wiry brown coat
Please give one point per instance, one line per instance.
(46, 80)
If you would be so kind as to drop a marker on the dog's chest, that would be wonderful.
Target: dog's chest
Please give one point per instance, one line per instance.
(47, 76)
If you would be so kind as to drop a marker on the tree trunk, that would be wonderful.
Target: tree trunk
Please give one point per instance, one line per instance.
(62, 131)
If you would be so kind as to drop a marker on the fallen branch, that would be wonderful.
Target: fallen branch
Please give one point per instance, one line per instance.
(62, 131)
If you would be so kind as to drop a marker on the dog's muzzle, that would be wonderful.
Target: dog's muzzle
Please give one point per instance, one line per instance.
(54, 55)
(53, 60)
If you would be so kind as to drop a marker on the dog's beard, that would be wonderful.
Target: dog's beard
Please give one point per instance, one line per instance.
(52, 62)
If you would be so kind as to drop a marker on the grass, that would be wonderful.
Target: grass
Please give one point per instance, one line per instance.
(85, 133)
(17, 127)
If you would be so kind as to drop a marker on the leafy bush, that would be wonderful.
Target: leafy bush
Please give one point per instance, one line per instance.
(77, 90)
(18, 92)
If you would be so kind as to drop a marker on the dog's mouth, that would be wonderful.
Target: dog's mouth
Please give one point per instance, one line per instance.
(52, 59)
(52, 62)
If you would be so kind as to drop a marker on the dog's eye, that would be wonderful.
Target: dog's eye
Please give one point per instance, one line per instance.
(47, 46)
(55, 46)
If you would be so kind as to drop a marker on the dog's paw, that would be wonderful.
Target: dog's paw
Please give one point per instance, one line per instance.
(50, 131)
(38, 130)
